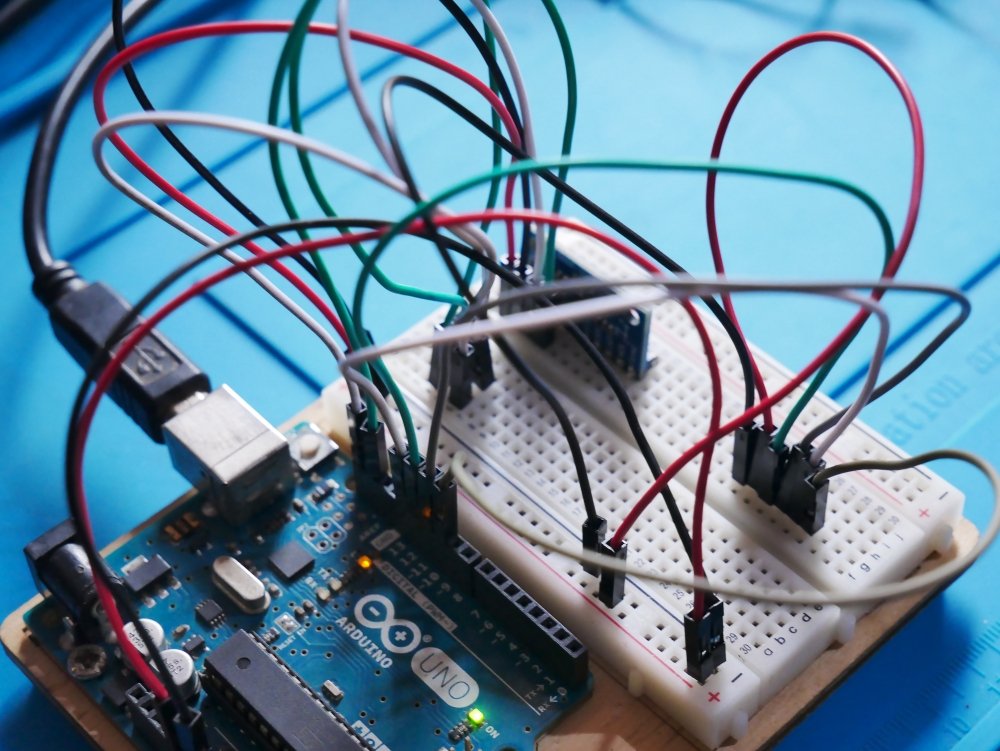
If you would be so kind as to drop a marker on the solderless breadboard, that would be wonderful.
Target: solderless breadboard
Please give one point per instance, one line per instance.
(910, 513)
(877, 529)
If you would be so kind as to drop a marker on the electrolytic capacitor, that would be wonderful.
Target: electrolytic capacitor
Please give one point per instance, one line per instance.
(182, 671)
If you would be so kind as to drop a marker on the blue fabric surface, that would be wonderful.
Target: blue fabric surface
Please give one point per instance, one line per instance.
(654, 77)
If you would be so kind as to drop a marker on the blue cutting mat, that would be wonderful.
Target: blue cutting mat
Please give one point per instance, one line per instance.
(654, 77)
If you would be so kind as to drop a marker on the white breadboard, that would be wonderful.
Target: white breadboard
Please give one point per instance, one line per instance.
(911, 513)
(876, 528)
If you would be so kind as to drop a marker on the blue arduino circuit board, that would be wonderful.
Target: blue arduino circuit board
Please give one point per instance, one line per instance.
(359, 628)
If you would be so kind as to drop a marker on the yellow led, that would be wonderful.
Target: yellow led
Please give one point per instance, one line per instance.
(476, 717)
(364, 562)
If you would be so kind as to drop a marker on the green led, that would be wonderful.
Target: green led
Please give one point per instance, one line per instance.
(476, 717)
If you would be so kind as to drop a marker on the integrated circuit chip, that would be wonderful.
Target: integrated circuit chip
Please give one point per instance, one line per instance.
(291, 560)
(209, 612)
(272, 700)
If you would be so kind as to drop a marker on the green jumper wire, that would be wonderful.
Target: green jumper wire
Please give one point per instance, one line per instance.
(549, 272)
(569, 127)
(290, 63)
(494, 194)
(527, 166)
(778, 442)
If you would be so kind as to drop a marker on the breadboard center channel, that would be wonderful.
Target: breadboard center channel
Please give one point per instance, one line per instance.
(879, 525)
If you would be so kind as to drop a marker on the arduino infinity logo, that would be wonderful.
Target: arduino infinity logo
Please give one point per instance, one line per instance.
(399, 636)
(435, 668)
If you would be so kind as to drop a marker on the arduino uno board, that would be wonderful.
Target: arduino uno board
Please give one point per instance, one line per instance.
(354, 638)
